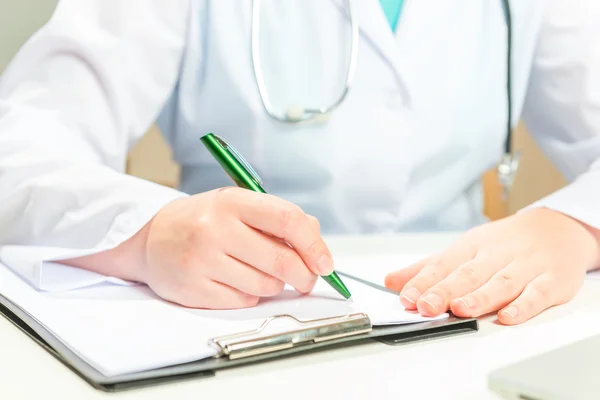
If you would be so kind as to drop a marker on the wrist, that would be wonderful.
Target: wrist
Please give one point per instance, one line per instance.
(586, 237)
(126, 261)
(595, 234)
(130, 256)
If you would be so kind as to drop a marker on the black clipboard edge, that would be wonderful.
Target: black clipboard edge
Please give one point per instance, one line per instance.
(390, 335)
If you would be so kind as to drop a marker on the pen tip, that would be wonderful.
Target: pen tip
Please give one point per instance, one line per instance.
(350, 299)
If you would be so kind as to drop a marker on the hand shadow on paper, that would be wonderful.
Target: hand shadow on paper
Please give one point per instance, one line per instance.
(318, 304)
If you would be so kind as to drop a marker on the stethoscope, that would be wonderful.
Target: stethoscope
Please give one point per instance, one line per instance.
(509, 163)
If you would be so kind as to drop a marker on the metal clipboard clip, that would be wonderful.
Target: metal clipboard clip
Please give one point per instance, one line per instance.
(252, 343)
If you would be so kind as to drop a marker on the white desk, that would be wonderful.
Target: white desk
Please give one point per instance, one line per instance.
(450, 368)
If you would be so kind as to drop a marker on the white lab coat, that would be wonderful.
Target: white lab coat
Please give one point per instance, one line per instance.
(405, 151)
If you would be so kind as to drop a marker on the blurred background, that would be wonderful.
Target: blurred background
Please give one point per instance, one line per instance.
(151, 159)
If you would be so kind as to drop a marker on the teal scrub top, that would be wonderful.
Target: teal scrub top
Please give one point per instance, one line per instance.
(392, 9)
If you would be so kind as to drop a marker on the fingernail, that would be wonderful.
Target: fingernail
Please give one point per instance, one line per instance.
(512, 312)
(434, 301)
(466, 302)
(325, 265)
(412, 295)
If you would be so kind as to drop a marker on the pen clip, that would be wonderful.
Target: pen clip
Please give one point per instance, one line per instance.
(240, 159)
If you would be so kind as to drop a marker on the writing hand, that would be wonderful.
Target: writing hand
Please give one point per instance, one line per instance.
(221, 249)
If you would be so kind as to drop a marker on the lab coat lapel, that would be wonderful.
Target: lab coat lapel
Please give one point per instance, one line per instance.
(374, 27)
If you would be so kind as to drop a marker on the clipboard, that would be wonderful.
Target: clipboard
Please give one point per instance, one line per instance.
(245, 347)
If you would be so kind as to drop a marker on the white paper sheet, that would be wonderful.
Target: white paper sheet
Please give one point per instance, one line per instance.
(117, 329)
(120, 329)
(375, 268)
(383, 308)
(36, 265)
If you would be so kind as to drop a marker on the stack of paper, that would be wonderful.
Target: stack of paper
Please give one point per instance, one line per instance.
(119, 328)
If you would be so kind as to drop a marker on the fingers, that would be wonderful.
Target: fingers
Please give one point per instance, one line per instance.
(537, 296)
(499, 290)
(209, 294)
(314, 223)
(398, 279)
(286, 221)
(271, 257)
(434, 270)
(461, 281)
(428, 276)
(245, 278)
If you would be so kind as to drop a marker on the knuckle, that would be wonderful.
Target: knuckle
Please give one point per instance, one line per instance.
(526, 305)
(542, 294)
(200, 228)
(219, 196)
(314, 222)
(291, 219)
(419, 281)
(435, 267)
(224, 192)
(222, 198)
(281, 263)
(315, 248)
(427, 276)
(270, 286)
(505, 282)
(467, 273)
(434, 262)
(482, 299)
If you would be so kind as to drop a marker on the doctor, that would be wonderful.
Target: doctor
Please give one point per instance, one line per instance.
(402, 150)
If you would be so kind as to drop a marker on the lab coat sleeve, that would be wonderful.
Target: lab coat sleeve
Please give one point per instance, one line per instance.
(74, 99)
(562, 108)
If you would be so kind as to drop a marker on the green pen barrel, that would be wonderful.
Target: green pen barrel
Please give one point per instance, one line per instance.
(232, 166)
(242, 174)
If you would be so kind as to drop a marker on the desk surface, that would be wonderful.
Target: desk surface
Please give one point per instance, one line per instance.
(449, 368)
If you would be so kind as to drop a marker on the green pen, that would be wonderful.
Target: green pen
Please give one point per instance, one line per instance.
(244, 176)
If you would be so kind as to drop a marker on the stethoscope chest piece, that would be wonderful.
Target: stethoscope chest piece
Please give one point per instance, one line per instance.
(507, 170)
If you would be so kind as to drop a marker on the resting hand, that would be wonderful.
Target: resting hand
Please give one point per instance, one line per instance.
(520, 265)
